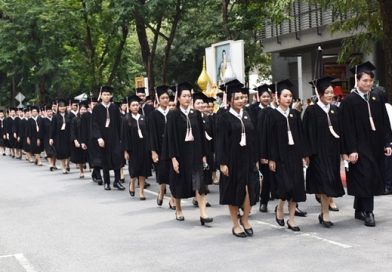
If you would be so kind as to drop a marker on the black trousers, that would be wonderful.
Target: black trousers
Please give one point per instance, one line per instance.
(364, 204)
(266, 186)
(97, 173)
(106, 176)
(388, 173)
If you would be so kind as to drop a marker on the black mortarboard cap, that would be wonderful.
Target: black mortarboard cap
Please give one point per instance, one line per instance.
(133, 98)
(184, 86)
(210, 100)
(34, 107)
(364, 67)
(12, 109)
(245, 90)
(83, 104)
(107, 89)
(2, 111)
(62, 102)
(26, 109)
(220, 95)
(171, 98)
(285, 85)
(200, 95)
(262, 88)
(150, 97)
(322, 84)
(141, 90)
(232, 86)
(162, 89)
(93, 99)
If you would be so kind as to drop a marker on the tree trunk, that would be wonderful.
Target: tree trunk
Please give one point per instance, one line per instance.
(13, 91)
(119, 51)
(225, 16)
(41, 91)
(170, 40)
(385, 8)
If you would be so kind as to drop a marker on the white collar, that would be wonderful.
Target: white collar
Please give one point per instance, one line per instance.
(186, 111)
(361, 94)
(106, 105)
(236, 114)
(323, 106)
(35, 118)
(284, 113)
(161, 110)
(62, 114)
(74, 112)
(136, 117)
(261, 106)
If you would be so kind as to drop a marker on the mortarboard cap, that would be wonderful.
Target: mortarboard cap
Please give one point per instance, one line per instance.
(34, 107)
(61, 102)
(262, 88)
(322, 84)
(106, 89)
(133, 98)
(162, 90)
(199, 95)
(184, 86)
(245, 90)
(12, 109)
(232, 86)
(172, 98)
(83, 104)
(284, 85)
(141, 90)
(150, 97)
(210, 100)
(364, 67)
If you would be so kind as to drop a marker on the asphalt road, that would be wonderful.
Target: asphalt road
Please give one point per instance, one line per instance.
(52, 222)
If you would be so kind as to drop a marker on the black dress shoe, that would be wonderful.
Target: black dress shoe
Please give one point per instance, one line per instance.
(172, 207)
(142, 198)
(159, 201)
(279, 221)
(326, 224)
(122, 180)
(68, 169)
(180, 218)
(132, 193)
(99, 182)
(51, 168)
(263, 208)
(118, 186)
(146, 184)
(359, 215)
(195, 203)
(333, 209)
(293, 228)
(107, 187)
(249, 232)
(300, 213)
(208, 204)
(240, 235)
(369, 219)
(205, 220)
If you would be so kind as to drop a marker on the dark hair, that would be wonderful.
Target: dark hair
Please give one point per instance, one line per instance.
(231, 95)
(265, 91)
(361, 74)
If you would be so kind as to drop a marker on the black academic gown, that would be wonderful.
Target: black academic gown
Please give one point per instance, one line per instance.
(111, 156)
(12, 132)
(2, 130)
(23, 130)
(188, 154)
(289, 176)
(137, 146)
(254, 110)
(208, 123)
(157, 127)
(366, 177)
(61, 137)
(46, 127)
(34, 131)
(241, 160)
(78, 154)
(323, 173)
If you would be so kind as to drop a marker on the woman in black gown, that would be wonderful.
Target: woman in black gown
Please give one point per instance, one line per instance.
(287, 149)
(49, 149)
(321, 126)
(186, 150)
(135, 145)
(236, 157)
(79, 155)
(157, 125)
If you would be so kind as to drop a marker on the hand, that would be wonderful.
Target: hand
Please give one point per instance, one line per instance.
(345, 157)
(15, 135)
(18, 139)
(353, 158)
(84, 146)
(306, 161)
(38, 142)
(126, 155)
(272, 166)
(154, 156)
(50, 141)
(204, 160)
(77, 144)
(388, 151)
(101, 142)
(176, 165)
(28, 140)
(224, 170)
(263, 161)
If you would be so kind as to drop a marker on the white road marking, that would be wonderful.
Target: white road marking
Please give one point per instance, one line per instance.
(310, 235)
(22, 260)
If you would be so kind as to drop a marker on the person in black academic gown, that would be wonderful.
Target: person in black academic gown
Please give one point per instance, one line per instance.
(287, 151)
(22, 131)
(34, 134)
(186, 150)
(135, 143)
(366, 140)
(106, 128)
(239, 185)
(157, 126)
(47, 127)
(79, 154)
(90, 143)
(264, 109)
(322, 130)
(60, 135)
(11, 131)
(145, 108)
(2, 133)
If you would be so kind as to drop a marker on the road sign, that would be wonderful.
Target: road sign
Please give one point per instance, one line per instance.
(20, 97)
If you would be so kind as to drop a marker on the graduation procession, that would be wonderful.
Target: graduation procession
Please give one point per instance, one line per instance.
(253, 150)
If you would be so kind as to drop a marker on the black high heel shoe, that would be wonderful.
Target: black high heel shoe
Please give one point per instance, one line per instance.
(205, 220)
(132, 193)
(249, 232)
(240, 235)
(180, 218)
(326, 224)
(159, 201)
(279, 221)
(172, 207)
(293, 228)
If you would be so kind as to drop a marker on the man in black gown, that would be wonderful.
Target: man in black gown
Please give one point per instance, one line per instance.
(106, 128)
